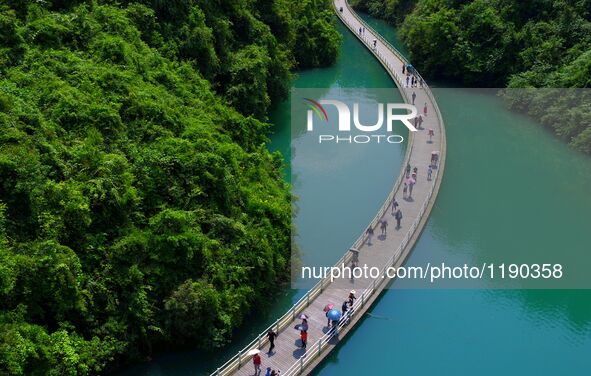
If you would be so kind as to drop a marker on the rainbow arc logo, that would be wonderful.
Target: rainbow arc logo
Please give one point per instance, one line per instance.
(317, 108)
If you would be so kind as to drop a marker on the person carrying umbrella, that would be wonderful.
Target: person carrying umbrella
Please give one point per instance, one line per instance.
(271, 335)
(327, 309)
(256, 360)
(334, 315)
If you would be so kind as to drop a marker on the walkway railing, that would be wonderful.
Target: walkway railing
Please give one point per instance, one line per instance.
(284, 321)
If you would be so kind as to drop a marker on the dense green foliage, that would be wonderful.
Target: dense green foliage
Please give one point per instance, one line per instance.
(137, 208)
(498, 43)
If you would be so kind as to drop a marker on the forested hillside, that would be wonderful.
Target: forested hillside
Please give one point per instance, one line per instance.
(139, 206)
(499, 43)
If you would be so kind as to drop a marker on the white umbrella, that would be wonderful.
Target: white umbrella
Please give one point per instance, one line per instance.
(253, 352)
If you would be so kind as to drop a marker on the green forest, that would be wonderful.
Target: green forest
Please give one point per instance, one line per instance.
(139, 206)
(504, 43)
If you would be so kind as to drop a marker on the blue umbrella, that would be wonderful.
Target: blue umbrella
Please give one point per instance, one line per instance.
(334, 315)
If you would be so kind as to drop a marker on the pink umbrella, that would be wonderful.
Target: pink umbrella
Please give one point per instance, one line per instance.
(328, 307)
(410, 181)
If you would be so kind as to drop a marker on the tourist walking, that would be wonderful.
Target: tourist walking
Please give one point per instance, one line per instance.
(352, 297)
(271, 335)
(304, 338)
(369, 235)
(429, 173)
(398, 217)
(394, 205)
(256, 360)
(407, 78)
(407, 170)
(384, 226)
(425, 109)
(415, 171)
(353, 268)
(404, 190)
(431, 134)
(420, 122)
(375, 43)
(346, 311)
(411, 184)
(414, 96)
(403, 68)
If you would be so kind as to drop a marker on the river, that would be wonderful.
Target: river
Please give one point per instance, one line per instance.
(508, 185)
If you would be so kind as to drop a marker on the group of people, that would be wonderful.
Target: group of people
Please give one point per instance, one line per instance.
(346, 309)
(409, 183)
(434, 159)
(411, 79)
(257, 361)
(361, 32)
(396, 212)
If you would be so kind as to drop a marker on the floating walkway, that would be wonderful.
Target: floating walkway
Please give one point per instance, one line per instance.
(391, 250)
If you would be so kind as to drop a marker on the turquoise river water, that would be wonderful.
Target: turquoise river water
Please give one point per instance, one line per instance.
(510, 187)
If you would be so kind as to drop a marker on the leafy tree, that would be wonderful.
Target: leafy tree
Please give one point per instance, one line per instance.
(519, 44)
(136, 190)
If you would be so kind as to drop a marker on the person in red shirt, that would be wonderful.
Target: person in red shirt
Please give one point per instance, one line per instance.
(304, 338)
(256, 359)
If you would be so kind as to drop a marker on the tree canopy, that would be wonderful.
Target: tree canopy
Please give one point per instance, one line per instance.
(499, 43)
(139, 205)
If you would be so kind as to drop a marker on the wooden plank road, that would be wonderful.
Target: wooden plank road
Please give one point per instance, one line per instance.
(389, 250)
